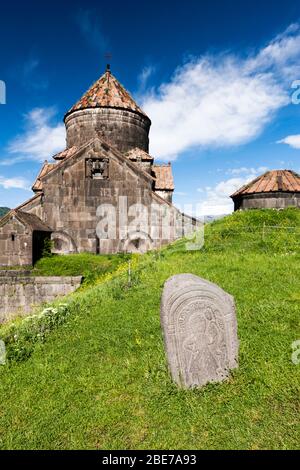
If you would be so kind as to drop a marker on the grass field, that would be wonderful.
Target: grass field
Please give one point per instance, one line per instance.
(86, 264)
(100, 380)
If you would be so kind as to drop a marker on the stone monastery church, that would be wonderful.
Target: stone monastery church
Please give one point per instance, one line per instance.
(105, 164)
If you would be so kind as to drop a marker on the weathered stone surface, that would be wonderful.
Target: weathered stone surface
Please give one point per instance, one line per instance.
(22, 238)
(200, 330)
(20, 292)
(123, 128)
(103, 182)
(270, 200)
(72, 198)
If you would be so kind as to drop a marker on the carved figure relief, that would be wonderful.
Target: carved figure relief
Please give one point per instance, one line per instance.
(96, 168)
(203, 345)
(200, 331)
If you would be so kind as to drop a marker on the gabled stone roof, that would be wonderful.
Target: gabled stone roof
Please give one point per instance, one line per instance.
(36, 199)
(108, 145)
(272, 181)
(33, 221)
(136, 153)
(30, 220)
(38, 186)
(163, 177)
(107, 92)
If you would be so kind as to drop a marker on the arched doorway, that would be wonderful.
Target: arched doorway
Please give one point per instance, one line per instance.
(63, 243)
(138, 242)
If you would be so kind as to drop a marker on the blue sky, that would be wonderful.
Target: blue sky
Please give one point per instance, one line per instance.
(215, 77)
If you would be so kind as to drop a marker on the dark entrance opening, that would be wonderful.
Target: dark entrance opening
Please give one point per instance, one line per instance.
(97, 246)
(39, 240)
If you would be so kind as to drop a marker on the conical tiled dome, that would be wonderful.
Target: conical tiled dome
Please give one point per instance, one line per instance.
(276, 189)
(108, 111)
(107, 92)
(272, 181)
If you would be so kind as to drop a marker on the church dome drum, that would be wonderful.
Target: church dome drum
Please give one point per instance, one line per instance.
(108, 111)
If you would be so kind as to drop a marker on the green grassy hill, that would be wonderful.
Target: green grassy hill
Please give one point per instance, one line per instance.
(3, 211)
(89, 266)
(98, 378)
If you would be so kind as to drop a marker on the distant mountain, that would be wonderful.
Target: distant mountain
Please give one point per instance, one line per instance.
(3, 211)
(210, 218)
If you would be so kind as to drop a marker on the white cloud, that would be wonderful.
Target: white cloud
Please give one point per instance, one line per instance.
(17, 182)
(281, 55)
(249, 171)
(209, 102)
(222, 101)
(143, 79)
(291, 140)
(217, 200)
(40, 140)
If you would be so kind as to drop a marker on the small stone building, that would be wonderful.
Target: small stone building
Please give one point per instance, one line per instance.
(98, 183)
(22, 238)
(276, 189)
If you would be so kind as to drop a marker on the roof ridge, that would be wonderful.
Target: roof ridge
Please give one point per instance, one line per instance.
(162, 164)
(35, 196)
(86, 145)
(35, 222)
(247, 185)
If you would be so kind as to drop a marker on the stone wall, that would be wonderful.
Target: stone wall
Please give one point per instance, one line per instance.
(123, 128)
(279, 200)
(71, 200)
(165, 194)
(15, 244)
(20, 292)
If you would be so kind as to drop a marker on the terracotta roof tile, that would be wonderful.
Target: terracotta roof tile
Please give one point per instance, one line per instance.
(37, 186)
(163, 177)
(272, 181)
(292, 182)
(106, 92)
(65, 153)
(136, 153)
(47, 167)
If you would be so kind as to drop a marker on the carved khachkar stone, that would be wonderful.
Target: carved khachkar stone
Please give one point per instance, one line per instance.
(200, 330)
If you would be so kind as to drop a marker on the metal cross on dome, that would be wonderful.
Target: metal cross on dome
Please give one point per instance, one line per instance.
(108, 57)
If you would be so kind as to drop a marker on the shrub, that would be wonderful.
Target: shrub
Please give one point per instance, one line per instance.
(47, 248)
(19, 338)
